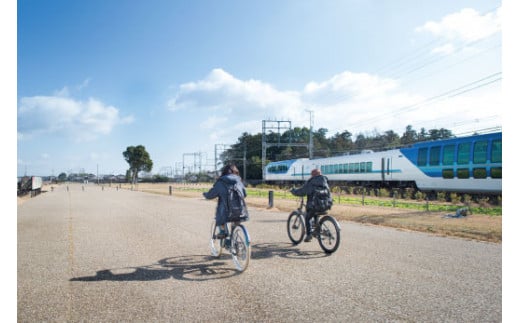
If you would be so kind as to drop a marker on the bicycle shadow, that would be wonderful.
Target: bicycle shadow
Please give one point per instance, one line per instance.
(198, 267)
(284, 250)
(189, 268)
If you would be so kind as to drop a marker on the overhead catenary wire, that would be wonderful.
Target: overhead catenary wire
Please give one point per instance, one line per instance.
(495, 77)
(418, 60)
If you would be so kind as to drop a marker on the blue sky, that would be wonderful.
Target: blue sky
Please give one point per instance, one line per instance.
(179, 77)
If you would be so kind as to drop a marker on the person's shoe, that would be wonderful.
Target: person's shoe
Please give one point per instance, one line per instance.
(308, 237)
(221, 235)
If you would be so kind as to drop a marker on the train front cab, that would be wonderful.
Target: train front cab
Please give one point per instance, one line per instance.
(469, 164)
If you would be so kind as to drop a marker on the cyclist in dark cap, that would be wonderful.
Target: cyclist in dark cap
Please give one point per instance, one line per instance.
(316, 181)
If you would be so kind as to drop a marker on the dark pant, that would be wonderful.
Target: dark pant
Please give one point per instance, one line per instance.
(310, 214)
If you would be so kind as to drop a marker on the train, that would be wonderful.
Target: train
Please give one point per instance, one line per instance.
(471, 164)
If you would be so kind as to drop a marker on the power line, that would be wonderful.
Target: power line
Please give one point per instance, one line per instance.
(448, 94)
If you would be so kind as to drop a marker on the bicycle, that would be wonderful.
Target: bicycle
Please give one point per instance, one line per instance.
(238, 243)
(326, 231)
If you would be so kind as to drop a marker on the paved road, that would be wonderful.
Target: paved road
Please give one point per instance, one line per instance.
(107, 255)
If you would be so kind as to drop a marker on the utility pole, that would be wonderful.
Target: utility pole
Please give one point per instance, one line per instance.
(267, 125)
(311, 121)
(245, 159)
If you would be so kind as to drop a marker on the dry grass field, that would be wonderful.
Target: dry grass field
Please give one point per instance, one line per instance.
(473, 226)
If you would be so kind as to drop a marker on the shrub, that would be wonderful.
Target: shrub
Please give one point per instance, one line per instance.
(384, 193)
(408, 193)
(454, 198)
(483, 201)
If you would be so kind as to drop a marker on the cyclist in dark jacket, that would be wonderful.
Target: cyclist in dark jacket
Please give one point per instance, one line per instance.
(316, 181)
(229, 176)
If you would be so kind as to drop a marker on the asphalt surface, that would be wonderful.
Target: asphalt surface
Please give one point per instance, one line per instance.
(92, 254)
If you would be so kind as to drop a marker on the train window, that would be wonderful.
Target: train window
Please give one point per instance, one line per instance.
(345, 168)
(479, 173)
(422, 157)
(463, 173)
(362, 167)
(463, 153)
(447, 173)
(369, 167)
(448, 155)
(278, 169)
(327, 169)
(435, 155)
(351, 168)
(336, 168)
(480, 152)
(496, 172)
(496, 151)
(356, 167)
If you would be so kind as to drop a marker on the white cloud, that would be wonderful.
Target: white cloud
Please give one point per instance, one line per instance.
(444, 49)
(348, 85)
(356, 102)
(220, 90)
(212, 122)
(465, 26)
(242, 105)
(63, 115)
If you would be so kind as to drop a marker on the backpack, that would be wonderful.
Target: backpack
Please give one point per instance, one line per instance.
(236, 205)
(321, 199)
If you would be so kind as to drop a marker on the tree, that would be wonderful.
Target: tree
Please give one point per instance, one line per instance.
(62, 177)
(409, 136)
(138, 159)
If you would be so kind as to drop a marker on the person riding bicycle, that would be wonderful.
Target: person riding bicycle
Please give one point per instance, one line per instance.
(229, 177)
(316, 181)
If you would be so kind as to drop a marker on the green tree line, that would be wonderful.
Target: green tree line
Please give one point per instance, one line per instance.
(248, 148)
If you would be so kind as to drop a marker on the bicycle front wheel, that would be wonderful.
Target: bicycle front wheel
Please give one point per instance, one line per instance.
(215, 244)
(329, 234)
(240, 247)
(296, 227)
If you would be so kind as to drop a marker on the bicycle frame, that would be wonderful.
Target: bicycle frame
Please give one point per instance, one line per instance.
(326, 229)
(237, 242)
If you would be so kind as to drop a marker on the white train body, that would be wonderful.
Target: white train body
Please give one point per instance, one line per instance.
(470, 164)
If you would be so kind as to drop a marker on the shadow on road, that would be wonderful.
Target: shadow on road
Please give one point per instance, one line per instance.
(283, 249)
(194, 268)
(197, 267)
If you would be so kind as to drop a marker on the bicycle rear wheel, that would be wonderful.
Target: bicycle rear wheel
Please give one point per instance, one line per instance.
(240, 247)
(296, 227)
(215, 244)
(329, 235)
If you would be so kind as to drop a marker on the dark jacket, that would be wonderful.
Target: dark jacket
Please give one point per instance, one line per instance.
(220, 190)
(309, 187)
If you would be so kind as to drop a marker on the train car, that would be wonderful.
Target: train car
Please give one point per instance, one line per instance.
(470, 164)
